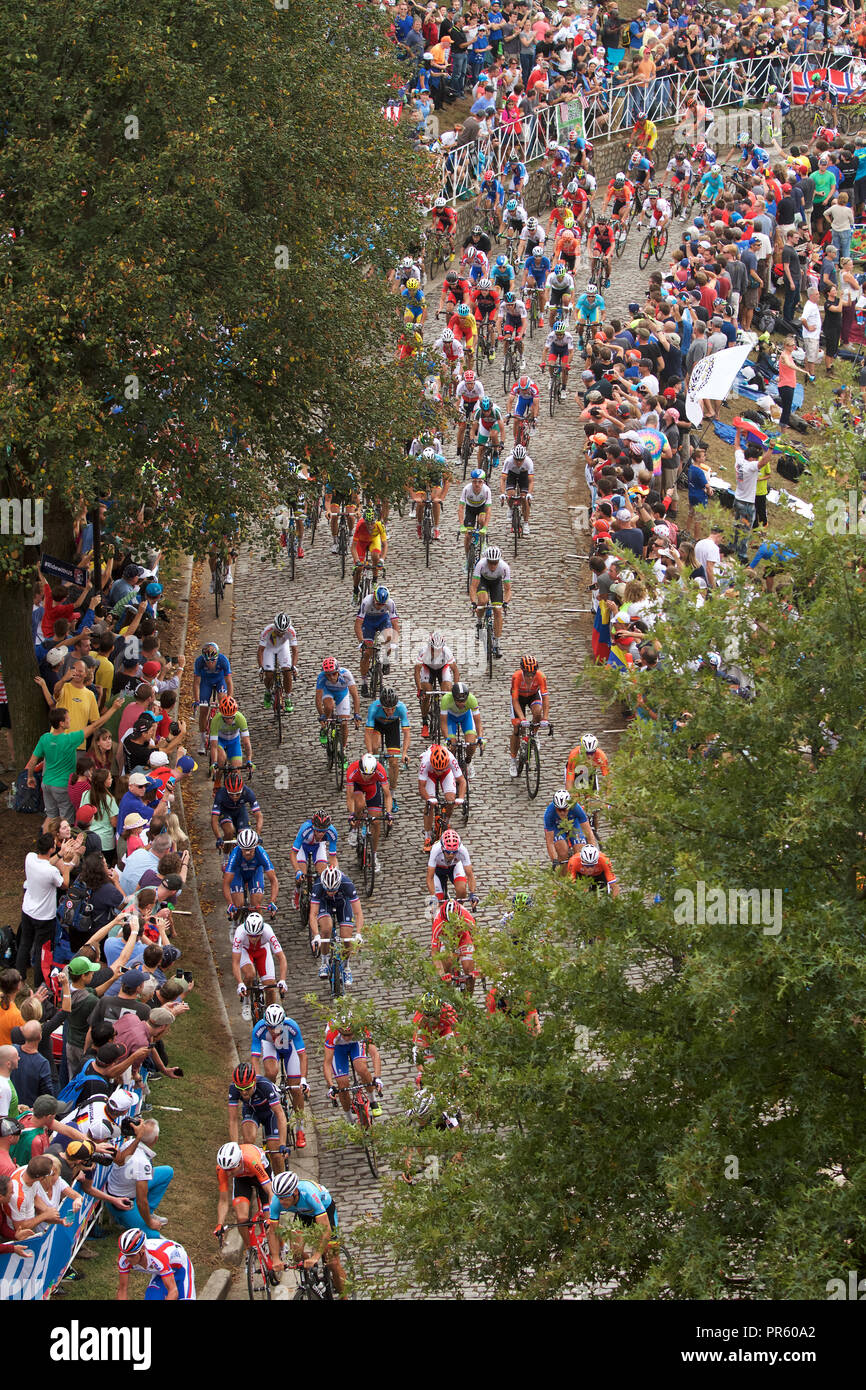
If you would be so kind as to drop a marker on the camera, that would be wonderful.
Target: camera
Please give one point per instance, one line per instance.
(127, 1128)
(174, 728)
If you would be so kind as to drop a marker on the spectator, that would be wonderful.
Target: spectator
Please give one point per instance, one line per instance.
(133, 804)
(58, 749)
(792, 276)
(811, 326)
(141, 860)
(45, 870)
(78, 1001)
(832, 327)
(708, 555)
(33, 1073)
(10, 1014)
(8, 1093)
(849, 291)
(104, 1070)
(72, 693)
(139, 1180)
(136, 1033)
(98, 798)
(841, 219)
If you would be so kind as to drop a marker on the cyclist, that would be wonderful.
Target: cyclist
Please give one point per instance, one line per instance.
(473, 509)
(479, 266)
(278, 645)
(234, 803)
(444, 223)
(534, 236)
(312, 1204)
(620, 195)
(561, 292)
(432, 1019)
(449, 862)
(557, 162)
(589, 751)
(257, 952)
(528, 688)
(387, 720)
(415, 313)
(335, 898)
(455, 290)
(245, 1166)
(277, 1039)
(681, 175)
(712, 185)
(247, 868)
(367, 789)
(485, 302)
(703, 158)
(452, 353)
(559, 344)
(431, 472)
(259, 1102)
(641, 170)
(438, 772)
(292, 513)
(345, 494)
(646, 134)
(517, 476)
(343, 1049)
(566, 825)
(172, 1275)
(406, 270)
(435, 668)
(377, 621)
(536, 269)
(335, 691)
(658, 210)
(561, 216)
(514, 219)
(502, 274)
(470, 390)
(212, 676)
(452, 944)
(491, 584)
(491, 193)
(600, 246)
(368, 538)
(590, 307)
(515, 178)
(488, 425)
(458, 709)
(595, 867)
(316, 840)
(464, 326)
(512, 318)
(524, 402)
(229, 737)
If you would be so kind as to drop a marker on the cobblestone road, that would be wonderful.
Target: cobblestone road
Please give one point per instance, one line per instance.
(505, 826)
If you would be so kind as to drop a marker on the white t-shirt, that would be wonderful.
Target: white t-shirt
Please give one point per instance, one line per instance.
(811, 320)
(5, 1095)
(707, 552)
(137, 1168)
(747, 476)
(41, 881)
(23, 1198)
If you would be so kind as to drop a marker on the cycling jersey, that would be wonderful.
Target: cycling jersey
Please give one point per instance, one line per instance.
(565, 825)
(263, 1096)
(239, 867)
(272, 637)
(528, 691)
(285, 1040)
(479, 500)
(306, 838)
(362, 783)
(681, 169)
(387, 724)
(437, 661)
(367, 538)
(561, 345)
(601, 870)
(538, 268)
(337, 904)
(313, 1200)
(650, 135)
(254, 1166)
(512, 315)
(428, 773)
(590, 312)
(212, 676)
(381, 614)
(440, 860)
(662, 208)
(451, 933)
(231, 808)
(227, 731)
(163, 1259)
(524, 393)
(490, 574)
(513, 465)
(494, 191)
(577, 756)
(712, 184)
(486, 302)
(337, 685)
(267, 940)
(470, 395)
(445, 220)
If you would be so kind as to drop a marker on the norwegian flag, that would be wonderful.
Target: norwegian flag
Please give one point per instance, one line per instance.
(393, 111)
(840, 82)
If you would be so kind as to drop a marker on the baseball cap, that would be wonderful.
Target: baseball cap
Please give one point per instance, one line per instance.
(159, 759)
(48, 1105)
(85, 814)
(56, 655)
(151, 668)
(187, 764)
(80, 965)
(137, 779)
(132, 979)
(9, 1129)
(121, 1101)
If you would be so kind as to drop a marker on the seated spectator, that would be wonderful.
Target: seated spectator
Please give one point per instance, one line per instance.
(138, 1179)
(135, 1033)
(11, 1232)
(142, 860)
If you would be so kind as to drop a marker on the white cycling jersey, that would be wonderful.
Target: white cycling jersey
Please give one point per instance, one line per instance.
(434, 661)
(425, 771)
(513, 465)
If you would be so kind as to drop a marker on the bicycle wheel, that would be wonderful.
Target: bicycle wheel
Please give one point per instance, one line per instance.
(375, 676)
(335, 977)
(619, 243)
(369, 865)
(292, 547)
(339, 761)
(489, 650)
(427, 535)
(507, 370)
(531, 316)
(257, 1004)
(278, 713)
(661, 243)
(343, 543)
(532, 769)
(464, 809)
(516, 525)
(304, 904)
(363, 1112)
(349, 1270)
(258, 1285)
(218, 590)
(645, 252)
(330, 747)
(552, 394)
(466, 450)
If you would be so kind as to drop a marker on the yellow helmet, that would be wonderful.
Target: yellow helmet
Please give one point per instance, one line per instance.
(412, 284)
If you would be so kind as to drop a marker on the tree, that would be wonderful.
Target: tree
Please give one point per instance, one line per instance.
(688, 1121)
(192, 198)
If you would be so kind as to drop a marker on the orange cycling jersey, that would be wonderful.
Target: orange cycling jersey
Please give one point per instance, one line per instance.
(567, 242)
(624, 192)
(598, 760)
(523, 689)
(603, 868)
(254, 1166)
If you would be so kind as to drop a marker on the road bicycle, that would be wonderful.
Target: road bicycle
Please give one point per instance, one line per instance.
(278, 698)
(528, 756)
(219, 582)
(485, 624)
(534, 313)
(427, 526)
(364, 852)
(512, 363)
(485, 348)
(375, 678)
(654, 244)
(261, 1279)
(620, 236)
(431, 723)
(516, 524)
(598, 270)
(554, 392)
(305, 891)
(360, 1106)
(466, 449)
(587, 780)
(442, 814)
(457, 743)
(489, 460)
(316, 1285)
(526, 426)
(334, 753)
(291, 539)
(438, 253)
(490, 223)
(343, 539)
(477, 541)
(285, 1094)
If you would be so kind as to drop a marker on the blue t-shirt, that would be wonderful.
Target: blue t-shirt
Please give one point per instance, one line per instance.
(306, 838)
(377, 711)
(248, 868)
(313, 1200)
(860, 156)
(129, 804)
(289, 1036)
(769, 550)
(697, 486)
(574, 817)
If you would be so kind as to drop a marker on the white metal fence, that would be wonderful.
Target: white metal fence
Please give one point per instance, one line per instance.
(607, 114)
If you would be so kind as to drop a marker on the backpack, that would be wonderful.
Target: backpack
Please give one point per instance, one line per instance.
(8, 948)
(28, 800)
(789, 468)
(74, 913)
(71, 1093)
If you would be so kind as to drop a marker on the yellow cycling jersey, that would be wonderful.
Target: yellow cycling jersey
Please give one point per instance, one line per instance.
(651, 135)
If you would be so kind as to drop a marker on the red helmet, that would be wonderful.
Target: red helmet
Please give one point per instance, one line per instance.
(450, 842)
(234, 783)
(244, 1076)
(329, 666)
(228, 707)
(524, 381)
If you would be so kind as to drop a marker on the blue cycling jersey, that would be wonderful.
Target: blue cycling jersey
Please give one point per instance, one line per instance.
(377, 711)
(313, 1200)
(248, 868)
(335, 685)
(574, 817)
(214, 675)
(306, 838)
(285, 1038)
(336, 904)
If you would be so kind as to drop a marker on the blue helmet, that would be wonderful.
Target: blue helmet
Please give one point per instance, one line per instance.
(476, 473)
(500, 260)
(382, 594)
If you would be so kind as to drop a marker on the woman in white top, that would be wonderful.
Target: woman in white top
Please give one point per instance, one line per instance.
(849, 293)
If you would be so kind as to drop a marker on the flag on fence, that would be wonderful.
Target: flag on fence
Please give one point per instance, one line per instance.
(393, 111)
(841, 84)
(712, 378)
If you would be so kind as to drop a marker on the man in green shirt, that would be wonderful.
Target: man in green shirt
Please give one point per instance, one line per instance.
(58, 748)
(825, 189)
(78, 1001)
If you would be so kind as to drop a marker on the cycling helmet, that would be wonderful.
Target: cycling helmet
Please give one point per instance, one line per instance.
(440, 203)
(700, 146)
(716, 169)
(452, 907)
(558, 270)
(131, 1241)
(429, 456)
(559, 327)
(436, 639)
(329, 666)
(589, 743)
(244, 1076)
(369, 763)
(589, 856)
(523, 382)
(382, 595)
(228, 707)
(275, 1016)
(573, 186)
(439, 759)
(635, 158)
(653, 193)
(501, 261)
(552, 147)
(330, 879)
(538, 251)
(412, 284)
(528, 665)
(592, 289)
(485, 284)
(477, 231)
(469, 376)
(284, 1185)
(476, 474)
(460, 692)
(486, 404)
(451, 277)
(229, 1156)
(521, 899)
(424, 1101)
(619, 178)
(511, 205)
(388, 696)
(450, 841)
(510, 297)
(254, 924)
(234, 783)
(282, 622)
(470, 253)
(561, 203)
(406, 263)
(488, 176)
(247, 838)
(210, 651)
(463, 310)
(320, 820)
(520, 451)
(561, 799)
(531, 224)
(447, 335)
(493, 554)
(567, 221)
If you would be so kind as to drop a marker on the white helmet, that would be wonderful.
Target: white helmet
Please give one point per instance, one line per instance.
(561, 799)
(369, 763)
(589, 742)
(447, 335)
(589, 856)
(247, 838)
(330, 878)
(591, 288)
(440, 203)
(254, 924)
(493, 554)
(275, 1016)
(229, 1156)
(437, 641)
(284, 1184)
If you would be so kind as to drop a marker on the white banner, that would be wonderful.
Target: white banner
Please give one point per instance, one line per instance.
(713, 378)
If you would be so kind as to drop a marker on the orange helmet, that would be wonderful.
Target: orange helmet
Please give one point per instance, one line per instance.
(228, 707)
(528, 665)
(439, 760)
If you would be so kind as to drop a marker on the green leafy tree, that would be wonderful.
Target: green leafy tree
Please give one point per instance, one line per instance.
(687, 1122)
(200, 205)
